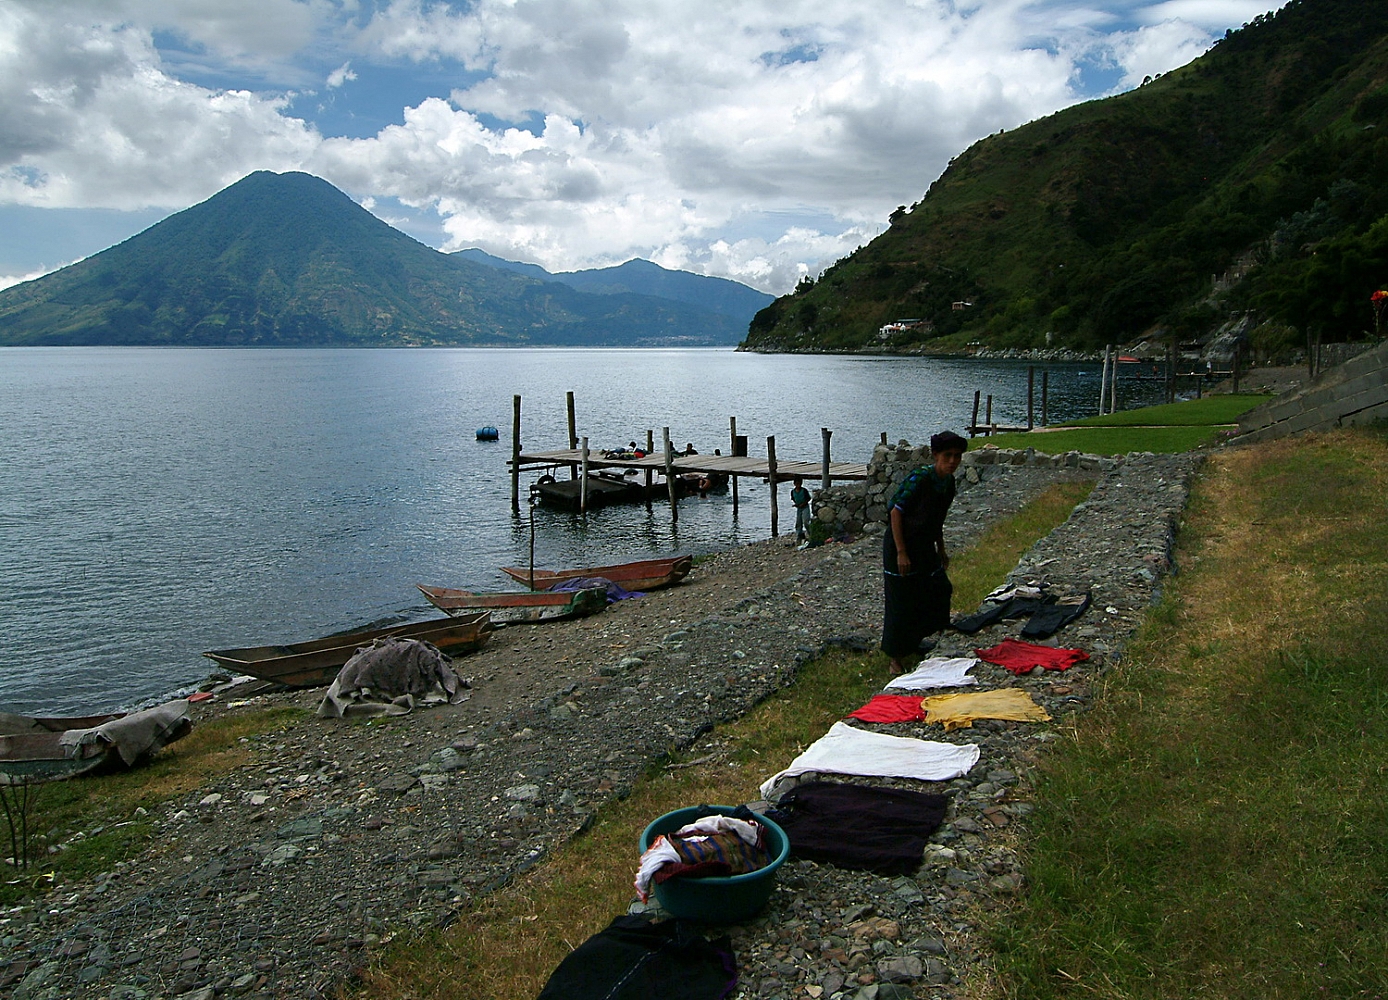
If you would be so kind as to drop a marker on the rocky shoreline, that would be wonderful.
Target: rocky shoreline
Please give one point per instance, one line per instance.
(278, 879)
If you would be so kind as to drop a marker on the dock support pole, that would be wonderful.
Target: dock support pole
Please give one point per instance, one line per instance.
(771, 478)
(1031, 395)
(650, 450)
(1113, 383)
(732, 450)
(1045, 391)
(573, 431)
(670, 474)
(583, 483)
(1103, 381)
(973, 420)
(826, 433)
(988, 418)
(515, 454)
(884, 437)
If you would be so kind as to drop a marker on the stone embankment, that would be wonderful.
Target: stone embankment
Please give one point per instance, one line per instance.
(280, 878)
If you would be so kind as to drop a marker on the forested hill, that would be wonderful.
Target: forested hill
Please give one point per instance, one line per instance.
(287, 260)
(1264, 162)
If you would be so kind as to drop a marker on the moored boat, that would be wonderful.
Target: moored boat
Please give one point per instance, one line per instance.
(316, 662)
(645, 574)
(519, 608)
(35, 750)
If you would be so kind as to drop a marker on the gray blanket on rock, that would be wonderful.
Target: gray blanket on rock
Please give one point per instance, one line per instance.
(391, 677)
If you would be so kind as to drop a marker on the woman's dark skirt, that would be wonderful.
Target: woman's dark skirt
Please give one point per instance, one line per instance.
(917, 606)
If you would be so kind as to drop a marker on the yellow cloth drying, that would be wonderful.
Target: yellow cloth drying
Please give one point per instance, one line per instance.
(958, 711)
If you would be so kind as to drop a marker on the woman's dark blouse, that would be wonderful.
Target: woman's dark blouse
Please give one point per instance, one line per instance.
(923, 498)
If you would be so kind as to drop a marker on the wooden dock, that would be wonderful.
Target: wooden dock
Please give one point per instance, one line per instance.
(727, 465)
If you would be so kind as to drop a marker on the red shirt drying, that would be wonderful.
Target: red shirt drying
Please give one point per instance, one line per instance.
(1019, 657)
(891, 708)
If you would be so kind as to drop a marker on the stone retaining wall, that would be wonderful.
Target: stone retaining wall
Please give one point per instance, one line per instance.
(1355, 392)
(848, 509)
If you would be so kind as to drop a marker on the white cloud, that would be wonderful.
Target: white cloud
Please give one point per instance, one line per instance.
(340, 76)
(7, 280)
(1208, 14)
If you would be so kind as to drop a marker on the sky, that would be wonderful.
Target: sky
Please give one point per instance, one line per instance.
(758, 140)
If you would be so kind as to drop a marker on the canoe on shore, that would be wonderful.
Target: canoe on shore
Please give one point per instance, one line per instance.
(519, 608)
(35, 750)
(647, 574)
(315, 663)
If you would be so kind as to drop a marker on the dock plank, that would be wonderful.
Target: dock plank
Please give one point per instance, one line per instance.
(727, 464)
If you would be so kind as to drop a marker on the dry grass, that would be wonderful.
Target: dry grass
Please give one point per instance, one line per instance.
(1208, 829)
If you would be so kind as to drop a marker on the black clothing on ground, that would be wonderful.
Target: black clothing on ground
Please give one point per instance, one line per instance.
(1049, 620)
(1045, 615)
(884, 830)
(635, 959)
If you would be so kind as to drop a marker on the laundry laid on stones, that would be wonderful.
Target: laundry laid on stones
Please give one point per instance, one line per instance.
(635, 958)
(1046, 613)
(937, 672)
(883, 830)
(890, 708)
(1019, 657)
(845, 749)
(711, 846)
(391, 677)
(958, 711)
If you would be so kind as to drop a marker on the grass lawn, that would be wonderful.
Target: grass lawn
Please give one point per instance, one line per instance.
(1174, 427)
(1215, 827)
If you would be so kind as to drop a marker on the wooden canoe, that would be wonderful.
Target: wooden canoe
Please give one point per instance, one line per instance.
(519, 608)
(315, 663)
(647, 574)
(30, 751)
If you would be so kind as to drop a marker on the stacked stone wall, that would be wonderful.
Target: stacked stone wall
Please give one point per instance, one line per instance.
(849, 509)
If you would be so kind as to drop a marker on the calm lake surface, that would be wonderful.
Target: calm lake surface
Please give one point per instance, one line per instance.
(155, 503)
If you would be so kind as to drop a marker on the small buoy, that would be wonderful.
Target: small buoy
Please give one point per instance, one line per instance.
(488, 434)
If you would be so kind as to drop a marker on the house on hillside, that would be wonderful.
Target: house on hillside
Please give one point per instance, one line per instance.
(890, 331)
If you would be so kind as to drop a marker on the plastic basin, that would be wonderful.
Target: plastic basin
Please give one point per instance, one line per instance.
(717, 900)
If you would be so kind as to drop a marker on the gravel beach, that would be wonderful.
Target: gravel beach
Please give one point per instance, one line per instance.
(278, 879)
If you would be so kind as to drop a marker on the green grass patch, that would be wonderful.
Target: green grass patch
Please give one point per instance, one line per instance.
(1215, 826)
(95, 820)
(1204, 412)
(1108, 440)
(507, 946)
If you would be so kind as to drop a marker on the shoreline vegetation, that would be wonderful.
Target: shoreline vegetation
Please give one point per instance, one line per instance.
(1210, 824)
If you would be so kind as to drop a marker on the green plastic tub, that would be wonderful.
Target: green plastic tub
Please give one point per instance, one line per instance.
(715, 900)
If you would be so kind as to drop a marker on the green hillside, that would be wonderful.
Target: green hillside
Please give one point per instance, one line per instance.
(288, 260)
(1264, 162)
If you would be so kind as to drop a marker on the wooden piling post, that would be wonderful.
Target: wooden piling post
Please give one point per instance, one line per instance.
(884, 437)
(650, 450)
(988, 418)
(826, 433)
(771, 478)
(515, 454)
(732, 450)
(573, 431)
(1113, 384)
(973, 420)
(1103, 381)
(1171, 372)
(583, 483)
(670, 474)
(1237, 359)
(1045, 391)
(1031, 389)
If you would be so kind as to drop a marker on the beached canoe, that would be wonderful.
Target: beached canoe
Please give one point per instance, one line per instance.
(519, 608)
(315, 663)
(647, 574)
(35, 750)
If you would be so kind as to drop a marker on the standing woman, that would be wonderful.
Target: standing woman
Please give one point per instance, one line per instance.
(913, 552)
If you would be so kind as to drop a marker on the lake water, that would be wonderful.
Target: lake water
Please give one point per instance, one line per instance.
(155, 503)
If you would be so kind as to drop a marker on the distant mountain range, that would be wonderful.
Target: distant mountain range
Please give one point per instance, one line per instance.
(288, 260)
(1253, 180)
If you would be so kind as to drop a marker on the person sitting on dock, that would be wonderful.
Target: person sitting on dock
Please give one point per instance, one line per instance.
(689, 449)
(800, 498)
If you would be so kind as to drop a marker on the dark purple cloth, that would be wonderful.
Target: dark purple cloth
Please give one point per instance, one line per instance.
(635, 959)
(614, 592)
(860, 826)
